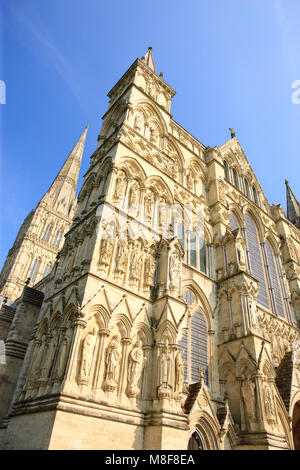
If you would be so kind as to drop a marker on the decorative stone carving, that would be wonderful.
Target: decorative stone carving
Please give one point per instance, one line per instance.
(241, 257)
(164, 372)
(249, 398)
(120, 186)
(174, 271)
(149, 268)
(269, 403)
(63, 354)
(179, 368)
(135, 366)
(106, 247)
(133, 196)
(148, 203)
(87, 356)
(49, 355)
(122, 256)
(136, 262)
(162, 213)
(113, 357)
(138, 122)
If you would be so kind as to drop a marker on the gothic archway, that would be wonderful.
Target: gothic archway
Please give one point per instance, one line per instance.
(195, 442)
(296, 425)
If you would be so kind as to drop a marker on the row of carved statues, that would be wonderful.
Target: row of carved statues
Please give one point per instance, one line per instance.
(137, 367)
(51, 352)
(138, 259)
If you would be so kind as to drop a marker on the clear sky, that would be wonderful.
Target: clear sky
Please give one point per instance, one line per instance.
(231, 62)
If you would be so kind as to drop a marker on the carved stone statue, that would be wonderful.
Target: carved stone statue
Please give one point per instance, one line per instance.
(162, 214)
(133, 195)
(248, 394)
(164, 368)
(174, 269)
(135, 264)
(149, 270)
(135, 366)
(121, 258)
(49, 356)
(37, 358)
(148, 205)
(63, 354)
(105, 249)
(269, 403)
(240, 254)
(153, 135)
(138, 122)
(113, 356)
(120, 186)
(179, 367)
(87, 356)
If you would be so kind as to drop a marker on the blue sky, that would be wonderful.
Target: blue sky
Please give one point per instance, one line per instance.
(232, 64)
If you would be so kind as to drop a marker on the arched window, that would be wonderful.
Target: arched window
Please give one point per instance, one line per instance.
(197, 249)
(255, 260)
(273, 281)
(203, 255)
(235, 178)
(226, 172)
(199, 356)
(194, 343)
(233, 222)
(47, 233)
(247, 191)
(57, 238)
(255, 198)
(34, 270)
(46, 270)
(192, 248)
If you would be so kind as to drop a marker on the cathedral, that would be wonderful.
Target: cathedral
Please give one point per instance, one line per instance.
(160, 308)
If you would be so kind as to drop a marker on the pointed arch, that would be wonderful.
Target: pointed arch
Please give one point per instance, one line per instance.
(154, 182)
(150, 110)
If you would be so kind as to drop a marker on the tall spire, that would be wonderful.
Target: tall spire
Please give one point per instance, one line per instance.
(293, 206)
(148, 59)
(62, 191)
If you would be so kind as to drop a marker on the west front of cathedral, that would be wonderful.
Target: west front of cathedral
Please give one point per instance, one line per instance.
(160, 309)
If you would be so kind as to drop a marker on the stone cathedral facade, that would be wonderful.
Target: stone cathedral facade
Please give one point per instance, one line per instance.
(170, 319)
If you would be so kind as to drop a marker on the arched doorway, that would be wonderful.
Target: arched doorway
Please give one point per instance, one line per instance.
(296, 425)
(202, 437)
(195, 442)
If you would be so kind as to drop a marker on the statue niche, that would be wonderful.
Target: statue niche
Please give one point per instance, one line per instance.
(175, 271)
(136, 264)
(179, 369)
(113, 357)
(121, 258)
(62, 356)
(164, 372)
(149, 269)
(120, 187)
(87, 356)
(106, 247)
(135, 367)
(248, 393)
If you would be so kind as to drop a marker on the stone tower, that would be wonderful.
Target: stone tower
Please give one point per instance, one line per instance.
(170, 319)
(42, 233)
